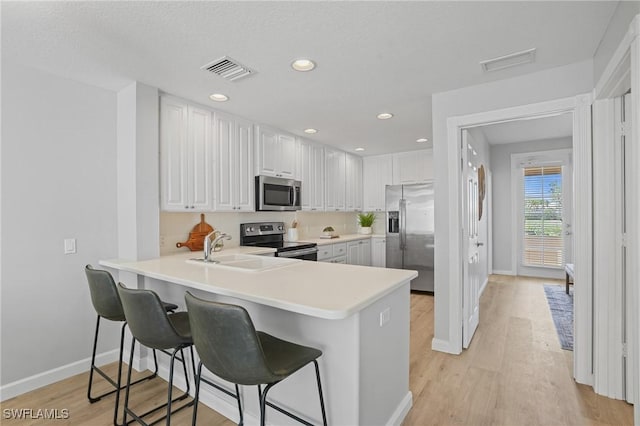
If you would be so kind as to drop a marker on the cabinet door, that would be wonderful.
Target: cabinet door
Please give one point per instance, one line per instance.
(412, 167)
(378, 252)
(225, 162)
(317, 164)
(268, 151)
(306, 174)
(377, 173)
(199, 163)
(353, 253)
(245, 197)
(335, 180)
(173, 155)
(365, 252)
(353, 182)
(287, 164)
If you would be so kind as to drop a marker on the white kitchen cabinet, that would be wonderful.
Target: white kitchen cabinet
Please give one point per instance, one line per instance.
(185, 157)
(311, 162)
(234, 163)
(412, 167)
(332, 253)
(359, 252)
(353, 182)
(377, 173)
(335, 179)
(275, 153)
(379, 252)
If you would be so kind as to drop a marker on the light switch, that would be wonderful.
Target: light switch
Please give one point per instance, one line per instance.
(385, 316)
(69, 246)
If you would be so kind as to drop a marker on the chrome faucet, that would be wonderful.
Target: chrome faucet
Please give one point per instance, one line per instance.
(210, 246)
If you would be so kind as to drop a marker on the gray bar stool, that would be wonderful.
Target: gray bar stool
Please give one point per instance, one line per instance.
(231, 348)
(106, 302)
(153, 327)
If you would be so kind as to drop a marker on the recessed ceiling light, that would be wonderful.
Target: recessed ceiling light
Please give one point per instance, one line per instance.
(303, 65)
(422, 140)
(310, 131)
(385, 115)
(219, 97)
(359, 149)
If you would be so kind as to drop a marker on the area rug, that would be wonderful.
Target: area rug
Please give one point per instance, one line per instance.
(561, 307)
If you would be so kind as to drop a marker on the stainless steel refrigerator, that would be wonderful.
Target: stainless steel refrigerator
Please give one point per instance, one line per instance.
(410, 231)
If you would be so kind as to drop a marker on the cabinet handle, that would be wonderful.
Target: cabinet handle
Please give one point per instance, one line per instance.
(186, 207)
(192, 207)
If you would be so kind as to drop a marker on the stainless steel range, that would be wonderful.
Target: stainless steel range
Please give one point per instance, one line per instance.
(271, 234)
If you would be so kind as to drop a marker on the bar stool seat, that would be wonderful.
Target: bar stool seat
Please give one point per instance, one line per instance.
(230, 347)
(107, 304)
(153, 327)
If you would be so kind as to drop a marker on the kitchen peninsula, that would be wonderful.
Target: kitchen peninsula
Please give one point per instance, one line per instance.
(358, 316)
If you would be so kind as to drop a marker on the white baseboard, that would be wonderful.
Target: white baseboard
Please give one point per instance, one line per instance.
(442, 346)
(502, 272)
(402, 410)
(28, 384)
(483, 286)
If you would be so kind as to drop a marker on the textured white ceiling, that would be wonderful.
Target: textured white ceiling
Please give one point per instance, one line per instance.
(371, 56)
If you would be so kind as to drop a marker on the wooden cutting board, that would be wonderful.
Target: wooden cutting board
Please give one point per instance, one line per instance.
(197, 236)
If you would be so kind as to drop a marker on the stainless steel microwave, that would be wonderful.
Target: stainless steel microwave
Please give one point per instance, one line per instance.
(277, 194)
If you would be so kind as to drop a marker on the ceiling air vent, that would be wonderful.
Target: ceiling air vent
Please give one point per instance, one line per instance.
(228, 68)
(511, 60)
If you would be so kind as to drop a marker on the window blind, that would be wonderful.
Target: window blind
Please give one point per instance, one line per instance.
(543, 243)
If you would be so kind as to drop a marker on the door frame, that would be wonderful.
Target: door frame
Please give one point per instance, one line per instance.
(623, 70)
(580, 107)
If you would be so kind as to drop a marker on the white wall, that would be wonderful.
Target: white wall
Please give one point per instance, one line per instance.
(542, 86)
(617, 28)
(503, 229)
(58, 181)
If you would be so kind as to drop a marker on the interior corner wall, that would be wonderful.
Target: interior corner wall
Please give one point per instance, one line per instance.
(617, 28)
(554, 83)
(58, 182)
(502, 202)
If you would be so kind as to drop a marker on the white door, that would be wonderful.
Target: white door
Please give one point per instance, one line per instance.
(224, 142)
(199, 162)
(245, 197)
(471, 273)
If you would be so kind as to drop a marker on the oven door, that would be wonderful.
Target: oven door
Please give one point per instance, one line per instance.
(303, 254)
(277, 194)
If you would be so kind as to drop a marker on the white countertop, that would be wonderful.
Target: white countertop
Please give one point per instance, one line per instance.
(341, 239)
(318, 289)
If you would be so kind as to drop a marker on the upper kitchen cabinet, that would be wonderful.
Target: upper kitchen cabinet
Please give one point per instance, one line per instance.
(275, 153)
(353, 190)
(335, 179)
(234, 163)
(185, 157)
(377, 173)
(311, 169)
(412, 167)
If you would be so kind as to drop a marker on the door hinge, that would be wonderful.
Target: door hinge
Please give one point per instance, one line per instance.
(625, 129)
(624, 350)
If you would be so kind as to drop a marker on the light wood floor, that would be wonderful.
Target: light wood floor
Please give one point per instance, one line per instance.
(514, 374)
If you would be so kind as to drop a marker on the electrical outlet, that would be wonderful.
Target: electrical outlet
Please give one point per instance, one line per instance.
(385, 316)
(161, 240)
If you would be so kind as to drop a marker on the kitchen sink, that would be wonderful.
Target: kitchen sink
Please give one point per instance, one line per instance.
(244, 262)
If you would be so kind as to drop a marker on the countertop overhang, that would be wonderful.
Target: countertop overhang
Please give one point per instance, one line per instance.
(318, 289)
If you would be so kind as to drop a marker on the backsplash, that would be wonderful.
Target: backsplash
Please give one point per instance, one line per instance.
(175, 227)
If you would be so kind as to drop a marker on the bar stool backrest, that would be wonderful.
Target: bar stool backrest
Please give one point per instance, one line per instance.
(148, 319)
(104, 294)
(227, 343)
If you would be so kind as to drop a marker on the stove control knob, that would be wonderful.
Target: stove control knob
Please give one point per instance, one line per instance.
(280, 228)
(251, 229)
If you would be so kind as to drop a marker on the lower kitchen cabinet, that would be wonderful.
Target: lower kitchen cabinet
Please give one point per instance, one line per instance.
(359, 252)
(379, 252)
(333, 253)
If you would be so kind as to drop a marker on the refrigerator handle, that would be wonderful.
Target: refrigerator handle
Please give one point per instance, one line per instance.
(403, 224)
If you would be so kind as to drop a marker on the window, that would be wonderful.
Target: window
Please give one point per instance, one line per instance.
(542, 240)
